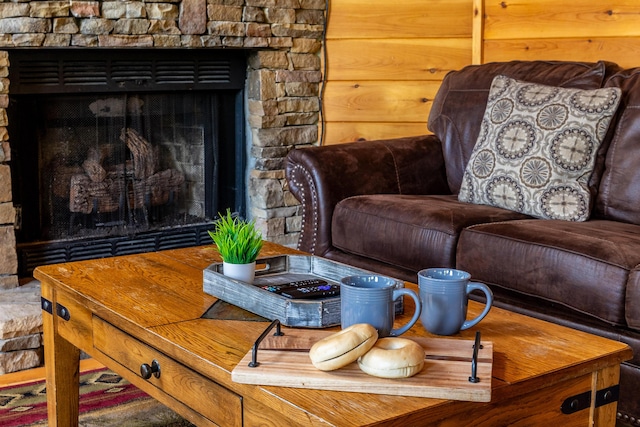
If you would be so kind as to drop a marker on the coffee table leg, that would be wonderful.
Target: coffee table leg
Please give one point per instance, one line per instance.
(62, 365)
(604, 415)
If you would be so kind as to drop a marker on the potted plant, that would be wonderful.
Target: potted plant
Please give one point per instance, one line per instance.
(238, 242)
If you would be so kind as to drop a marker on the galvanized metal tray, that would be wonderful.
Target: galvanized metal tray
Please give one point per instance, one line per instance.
(307, 313)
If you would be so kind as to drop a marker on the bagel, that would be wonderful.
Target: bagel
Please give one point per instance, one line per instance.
(393, 358)
(343, 347)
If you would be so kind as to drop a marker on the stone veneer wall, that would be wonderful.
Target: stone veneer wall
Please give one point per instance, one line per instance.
(282, 85)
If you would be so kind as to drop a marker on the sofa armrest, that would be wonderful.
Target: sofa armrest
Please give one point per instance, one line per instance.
(319, 177)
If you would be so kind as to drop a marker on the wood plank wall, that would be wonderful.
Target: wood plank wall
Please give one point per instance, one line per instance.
(580, 30)
(386, 59)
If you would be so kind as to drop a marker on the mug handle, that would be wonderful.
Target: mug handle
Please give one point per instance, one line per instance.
(475, 286)
(397, 293)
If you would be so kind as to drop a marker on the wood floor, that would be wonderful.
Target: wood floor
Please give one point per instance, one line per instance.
(35, 374)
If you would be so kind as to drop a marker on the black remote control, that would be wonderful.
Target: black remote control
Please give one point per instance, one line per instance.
(311, 291)
(292, 285)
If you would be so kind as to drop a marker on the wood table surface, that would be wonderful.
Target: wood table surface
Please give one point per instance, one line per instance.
(128, 309)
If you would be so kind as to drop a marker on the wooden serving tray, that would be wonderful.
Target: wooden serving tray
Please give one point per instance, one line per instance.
(284, 361)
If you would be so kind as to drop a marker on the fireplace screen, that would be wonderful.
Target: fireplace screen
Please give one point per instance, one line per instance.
(104, 173)
(121, 164)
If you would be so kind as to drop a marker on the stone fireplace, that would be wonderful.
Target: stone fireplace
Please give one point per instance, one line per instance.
(282, 40)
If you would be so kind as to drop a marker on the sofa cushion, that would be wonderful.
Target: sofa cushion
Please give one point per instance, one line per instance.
(537, 148)
(632, 306)
(619, 192)
(407, 231)
(582, 265)
(459, 105)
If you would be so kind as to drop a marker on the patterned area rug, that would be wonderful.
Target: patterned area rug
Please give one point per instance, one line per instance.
(106, 399)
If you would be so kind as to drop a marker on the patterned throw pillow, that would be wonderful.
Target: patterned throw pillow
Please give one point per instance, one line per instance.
(537, 147)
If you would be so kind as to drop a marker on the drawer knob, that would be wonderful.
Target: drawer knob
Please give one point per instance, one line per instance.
(147, 370)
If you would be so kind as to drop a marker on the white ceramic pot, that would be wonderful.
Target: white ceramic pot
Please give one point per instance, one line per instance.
(243, 272)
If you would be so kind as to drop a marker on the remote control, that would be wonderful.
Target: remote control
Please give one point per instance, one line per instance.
(311, 291)
(292, 285)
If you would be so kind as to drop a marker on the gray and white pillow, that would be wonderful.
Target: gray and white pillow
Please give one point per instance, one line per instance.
(537, 148)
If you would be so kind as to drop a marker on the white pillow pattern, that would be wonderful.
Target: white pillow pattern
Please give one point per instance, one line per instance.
(537, 148)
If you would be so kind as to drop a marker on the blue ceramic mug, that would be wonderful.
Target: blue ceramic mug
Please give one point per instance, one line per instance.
(444, 293)
(370, 299)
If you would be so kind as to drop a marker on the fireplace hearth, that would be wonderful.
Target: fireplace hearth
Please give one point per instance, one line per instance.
(123, 151)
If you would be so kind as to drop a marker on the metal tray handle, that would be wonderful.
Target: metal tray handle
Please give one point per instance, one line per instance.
(254, 350)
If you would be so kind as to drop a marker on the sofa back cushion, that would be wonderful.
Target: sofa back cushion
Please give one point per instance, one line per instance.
(456, 114)
(619, 192)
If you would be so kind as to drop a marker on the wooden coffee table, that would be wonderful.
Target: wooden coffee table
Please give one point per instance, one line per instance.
(134, 313)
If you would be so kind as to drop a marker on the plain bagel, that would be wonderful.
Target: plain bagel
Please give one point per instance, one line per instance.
(393, 358)
(344, 347)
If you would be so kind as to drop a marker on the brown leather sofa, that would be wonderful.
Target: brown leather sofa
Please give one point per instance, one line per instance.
(391, 206)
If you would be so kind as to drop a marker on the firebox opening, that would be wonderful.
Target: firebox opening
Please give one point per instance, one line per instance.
(123, 151)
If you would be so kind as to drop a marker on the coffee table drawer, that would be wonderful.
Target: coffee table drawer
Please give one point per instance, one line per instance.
(199, 393)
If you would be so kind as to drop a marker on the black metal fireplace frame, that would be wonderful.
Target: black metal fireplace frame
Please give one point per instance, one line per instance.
(37, 71)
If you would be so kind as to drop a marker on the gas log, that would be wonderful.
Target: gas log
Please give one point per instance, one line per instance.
(132, 185)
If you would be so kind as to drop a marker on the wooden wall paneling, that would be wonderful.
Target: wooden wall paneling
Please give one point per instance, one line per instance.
(387, 59)
(385, 63)
(377, 109)
(379, 101)
(396, 59)
(622, 50)
(528, 19)
(477, 32)
(340, 132)
(384, 19)
(585, 30)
